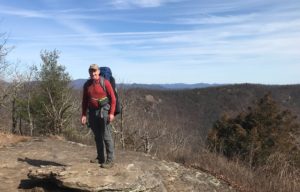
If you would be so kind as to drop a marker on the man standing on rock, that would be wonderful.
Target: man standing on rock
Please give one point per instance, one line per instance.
(100, 105)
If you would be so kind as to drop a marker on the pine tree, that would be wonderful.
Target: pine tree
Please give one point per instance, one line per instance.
(54, 103)
(255, 135)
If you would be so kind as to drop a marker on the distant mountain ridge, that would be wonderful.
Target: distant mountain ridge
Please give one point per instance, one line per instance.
(78, 84)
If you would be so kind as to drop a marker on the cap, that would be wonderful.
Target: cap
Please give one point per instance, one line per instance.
(94, 67)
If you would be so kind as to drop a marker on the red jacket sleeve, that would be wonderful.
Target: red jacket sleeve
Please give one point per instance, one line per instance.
(112, 96)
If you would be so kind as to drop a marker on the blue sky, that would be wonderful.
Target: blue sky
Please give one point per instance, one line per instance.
(161, 41)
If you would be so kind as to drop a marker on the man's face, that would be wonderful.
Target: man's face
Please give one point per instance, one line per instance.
(94, 74)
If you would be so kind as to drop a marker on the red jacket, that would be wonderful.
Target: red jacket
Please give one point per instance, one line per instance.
(92, 90)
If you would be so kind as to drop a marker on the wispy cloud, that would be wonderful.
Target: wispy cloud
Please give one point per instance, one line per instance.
(22, 12)
(212, 19)
(129, 4)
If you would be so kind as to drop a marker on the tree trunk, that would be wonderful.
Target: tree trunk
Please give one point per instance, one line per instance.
(122, 131)
(13, 116)
(20, 125)
(29, 115)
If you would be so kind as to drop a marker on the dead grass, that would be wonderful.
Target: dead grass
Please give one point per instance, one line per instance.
(245, 179)
(8, 139)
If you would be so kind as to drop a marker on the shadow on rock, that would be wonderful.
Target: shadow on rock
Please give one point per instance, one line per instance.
(42, 186)
(39, 163)
(31, 184)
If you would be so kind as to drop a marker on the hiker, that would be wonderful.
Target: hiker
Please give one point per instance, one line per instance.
(100, 104)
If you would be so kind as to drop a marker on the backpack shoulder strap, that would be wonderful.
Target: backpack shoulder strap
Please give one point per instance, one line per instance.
(102, 83)
(87, 83)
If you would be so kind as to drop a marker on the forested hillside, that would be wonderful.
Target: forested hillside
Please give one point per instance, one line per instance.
(196, 110)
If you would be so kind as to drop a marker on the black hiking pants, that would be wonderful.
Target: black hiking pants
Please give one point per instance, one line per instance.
(98, 120)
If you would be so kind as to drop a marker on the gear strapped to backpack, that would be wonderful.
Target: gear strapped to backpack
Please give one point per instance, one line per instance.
(105, 73)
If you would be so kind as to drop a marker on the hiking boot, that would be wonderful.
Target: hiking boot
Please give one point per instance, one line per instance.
(107, 164)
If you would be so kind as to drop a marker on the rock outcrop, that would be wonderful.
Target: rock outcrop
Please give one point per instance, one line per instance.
(66, 165)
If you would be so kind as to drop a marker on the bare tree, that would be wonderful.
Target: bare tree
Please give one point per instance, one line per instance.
(144, 125)
(125, 103)
(4, 66)
(15, 87)
(24, 87)
(29, 88)
(20, 91)
(5, 88)
(59, 114)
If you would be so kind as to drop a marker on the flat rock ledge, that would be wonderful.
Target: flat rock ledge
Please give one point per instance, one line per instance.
(49, 164)
(96, 179)
(136, 172)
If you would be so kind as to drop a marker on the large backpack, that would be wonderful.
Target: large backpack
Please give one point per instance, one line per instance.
(106, 73)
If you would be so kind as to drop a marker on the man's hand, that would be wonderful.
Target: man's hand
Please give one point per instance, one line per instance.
(83, 119)
(111, 117)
